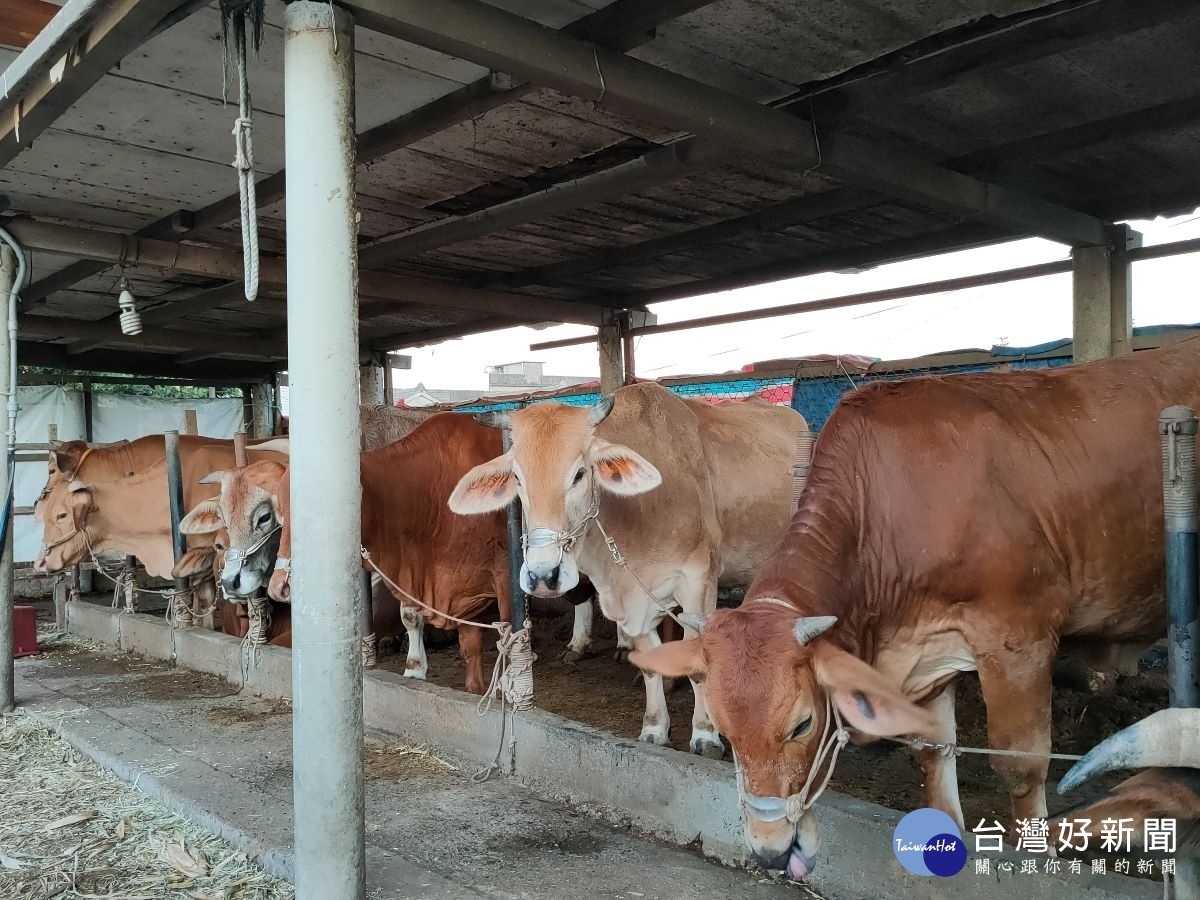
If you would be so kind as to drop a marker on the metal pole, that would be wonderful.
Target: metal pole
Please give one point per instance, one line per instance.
(322, 274)
(515, 556)
(175, 491)
(627, 348)
(8, 696)
(1178, 426)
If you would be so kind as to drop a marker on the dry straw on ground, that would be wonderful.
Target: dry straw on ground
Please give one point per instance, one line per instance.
(71, 830)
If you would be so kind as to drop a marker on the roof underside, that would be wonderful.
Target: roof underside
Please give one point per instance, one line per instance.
(1072, 102)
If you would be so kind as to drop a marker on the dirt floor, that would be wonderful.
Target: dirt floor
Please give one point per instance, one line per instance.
(608, 694)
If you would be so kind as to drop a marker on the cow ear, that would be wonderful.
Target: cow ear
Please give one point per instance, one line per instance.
(674, 659)
(64, 460)
(81, 503)
(205, 518)
(198, 561)
(486, 488)
(867, 700)
(623, 471)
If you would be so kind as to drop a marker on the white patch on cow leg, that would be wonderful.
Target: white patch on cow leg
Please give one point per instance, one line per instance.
(417, 664)
(705, 739)
(941, 771)
(624, 645)
(656, 724)
(581, 632)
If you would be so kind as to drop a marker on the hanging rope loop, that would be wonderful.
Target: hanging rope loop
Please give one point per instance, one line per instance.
(234, 14)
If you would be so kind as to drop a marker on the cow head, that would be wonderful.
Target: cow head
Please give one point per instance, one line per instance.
(560, 468)
(63, 512)
(772, 684)
(245, 511)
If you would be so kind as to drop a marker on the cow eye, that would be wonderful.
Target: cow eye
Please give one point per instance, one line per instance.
(578, 477)
(218, 546)
(60, 516)
(264, 520)
(802, 729)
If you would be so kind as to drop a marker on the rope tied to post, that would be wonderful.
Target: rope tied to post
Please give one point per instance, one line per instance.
(234, 13)
(512, 676)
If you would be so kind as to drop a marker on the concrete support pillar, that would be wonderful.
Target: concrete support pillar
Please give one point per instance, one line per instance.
(371, 385)
(262, 412)
(1102, 290)
(612, 361)
(322, 276)
(8, 697)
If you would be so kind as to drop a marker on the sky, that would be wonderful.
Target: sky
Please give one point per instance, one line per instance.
(1019, 314)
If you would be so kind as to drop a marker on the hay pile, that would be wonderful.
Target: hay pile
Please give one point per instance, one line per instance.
(72, 830)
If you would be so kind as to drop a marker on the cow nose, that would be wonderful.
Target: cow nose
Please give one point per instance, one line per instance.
(772, 861)
(543, 581)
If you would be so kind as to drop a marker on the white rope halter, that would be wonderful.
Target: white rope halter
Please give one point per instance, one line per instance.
(834, 737)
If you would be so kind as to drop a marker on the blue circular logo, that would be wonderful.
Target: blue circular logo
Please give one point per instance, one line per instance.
(928, 842)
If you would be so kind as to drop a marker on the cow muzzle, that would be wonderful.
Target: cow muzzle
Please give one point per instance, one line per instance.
(777, 843)
(548, 569)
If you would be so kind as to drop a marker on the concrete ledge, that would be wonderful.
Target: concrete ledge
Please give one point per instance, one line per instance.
(682, 798)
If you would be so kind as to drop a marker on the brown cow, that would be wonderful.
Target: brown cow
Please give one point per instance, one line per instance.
(694, 494)
(133, 516)
(949, 525)
(458, 565)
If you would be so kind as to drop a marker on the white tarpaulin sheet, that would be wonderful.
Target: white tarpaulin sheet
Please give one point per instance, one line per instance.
(115, 417)
(40, 406)
(118, 417)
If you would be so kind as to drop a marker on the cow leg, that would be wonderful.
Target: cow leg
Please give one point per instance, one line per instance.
(624, 645)
(656, 724)
(470, 644)
(417, 664)
(581, 633)
(941, 770)
(1017, 691)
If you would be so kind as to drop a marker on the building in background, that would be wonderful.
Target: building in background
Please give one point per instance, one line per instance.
(509, 378)
(524, 377)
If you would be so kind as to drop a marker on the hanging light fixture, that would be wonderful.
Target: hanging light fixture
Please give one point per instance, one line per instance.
(131, 319)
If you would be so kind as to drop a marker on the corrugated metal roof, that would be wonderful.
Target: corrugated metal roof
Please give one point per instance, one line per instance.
(153, 137)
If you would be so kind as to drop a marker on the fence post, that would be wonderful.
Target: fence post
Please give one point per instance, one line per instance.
(1178, 426)
(175, 492)
(189, 422)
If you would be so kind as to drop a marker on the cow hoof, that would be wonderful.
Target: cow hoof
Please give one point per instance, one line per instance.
(418, 674)
(655, 738)
(707, 749)
(571, 657)
(621, 654)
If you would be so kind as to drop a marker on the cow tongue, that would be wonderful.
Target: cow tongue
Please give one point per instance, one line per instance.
(797, 867)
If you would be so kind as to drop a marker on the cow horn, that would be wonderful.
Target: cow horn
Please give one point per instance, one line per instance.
(599, 411)
(1165, 739)
(807, 628)
(496, 418)
(693, 621)
(275, 445)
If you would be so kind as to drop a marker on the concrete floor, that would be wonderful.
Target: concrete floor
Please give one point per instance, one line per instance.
(224, 759)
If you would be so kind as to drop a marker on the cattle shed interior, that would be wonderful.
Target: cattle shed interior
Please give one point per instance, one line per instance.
(462, 166)
(636, 152)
